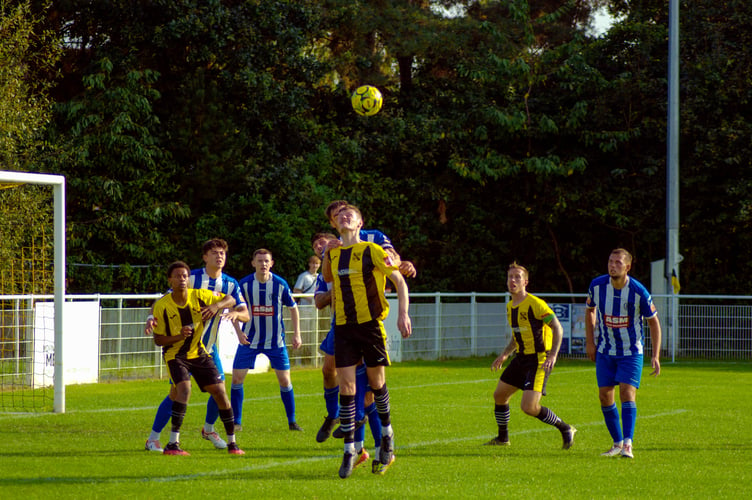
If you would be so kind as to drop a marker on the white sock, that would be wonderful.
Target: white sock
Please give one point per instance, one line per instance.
(154, 436)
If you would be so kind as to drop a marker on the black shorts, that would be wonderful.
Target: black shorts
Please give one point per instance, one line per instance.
(526, 372)
(366, 341)
(203, 369)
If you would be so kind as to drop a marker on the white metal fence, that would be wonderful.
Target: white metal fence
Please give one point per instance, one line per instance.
(445, 325)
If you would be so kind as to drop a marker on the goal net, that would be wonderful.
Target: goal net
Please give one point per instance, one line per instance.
(32, 277)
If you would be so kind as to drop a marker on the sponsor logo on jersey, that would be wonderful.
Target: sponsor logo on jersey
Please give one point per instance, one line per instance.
(616, 321)
(263, 310)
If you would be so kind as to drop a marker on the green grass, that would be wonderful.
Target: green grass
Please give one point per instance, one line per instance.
(693, 441)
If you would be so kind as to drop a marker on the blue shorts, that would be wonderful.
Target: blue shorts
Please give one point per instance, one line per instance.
(327, 346)
(217, 360)
(245, 358)
(614, 370)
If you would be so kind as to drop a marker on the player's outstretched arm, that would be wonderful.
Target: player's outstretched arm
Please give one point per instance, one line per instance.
(655, 340)
(297, 341)
(590, 332)
(404, 324)
(242, 338)
(558, 333)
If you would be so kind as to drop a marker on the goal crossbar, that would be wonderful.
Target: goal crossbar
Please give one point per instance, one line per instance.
(58, 184)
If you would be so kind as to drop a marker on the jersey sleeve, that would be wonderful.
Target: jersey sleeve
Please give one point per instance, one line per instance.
(161, 327)
(382, 260)
(287, 298)
(235, 292)
(544, 311)
(210, 297)
(646, 305)
(321, 285)
(376, 236)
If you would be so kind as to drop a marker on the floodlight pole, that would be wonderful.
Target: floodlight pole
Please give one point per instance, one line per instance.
(672, 174)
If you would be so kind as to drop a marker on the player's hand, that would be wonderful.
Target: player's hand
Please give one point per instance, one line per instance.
(296, 341)
(405, 325)
(242, 339)
(407, 268)
(498, 362)
(333, 243)
(231, 315)
(548, 365)
(209, 311)
(151, 323)
(590, 350)
(186, 331)
(656, 363)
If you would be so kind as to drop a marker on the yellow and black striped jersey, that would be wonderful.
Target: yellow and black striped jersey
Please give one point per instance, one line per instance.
(529, 322)
(171, 318)
(360, 272)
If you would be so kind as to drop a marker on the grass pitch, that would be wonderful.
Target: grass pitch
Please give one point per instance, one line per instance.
(692, 441)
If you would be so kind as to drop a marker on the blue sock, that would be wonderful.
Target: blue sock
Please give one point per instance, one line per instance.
(374, 423)
(331, 398)
(611, 415)
(361, 386)
(212, 411)
(628, 418)
(288, 399)
(237, 394)
(164, 413)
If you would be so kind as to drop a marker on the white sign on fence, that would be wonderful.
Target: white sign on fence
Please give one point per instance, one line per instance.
(81, 350)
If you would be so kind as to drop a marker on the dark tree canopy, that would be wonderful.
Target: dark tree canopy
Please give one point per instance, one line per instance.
(508, 132)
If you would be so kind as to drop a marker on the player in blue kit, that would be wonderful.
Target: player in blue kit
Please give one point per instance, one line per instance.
(211, 277)
(616, 306)
(265, 293)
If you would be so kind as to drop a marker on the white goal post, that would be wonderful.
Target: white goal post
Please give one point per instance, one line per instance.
(58, 184)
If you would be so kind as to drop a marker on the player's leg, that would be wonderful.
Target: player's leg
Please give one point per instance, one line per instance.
(180, 376)
(361, 384)
(280, 362)
(245, 359)
(212, 410)
(373, 417)
(219, 395)
(628, 395)
(502, 394)
(161, 419)
(536, 378)
(287, 395)
(605, 373)
(331, 388)
(237, 394)
(346, 378)
(628, 375)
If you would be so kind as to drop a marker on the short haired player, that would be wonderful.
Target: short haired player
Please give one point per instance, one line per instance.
(182, 317)
(536, 336)
(358, 271)
(615, 308)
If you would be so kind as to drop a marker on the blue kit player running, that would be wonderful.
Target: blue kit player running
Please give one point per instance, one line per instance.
(212, 278)
(265, 293)
(616, 307)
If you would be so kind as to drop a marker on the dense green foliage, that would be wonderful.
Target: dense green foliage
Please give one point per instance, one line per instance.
(509, 132)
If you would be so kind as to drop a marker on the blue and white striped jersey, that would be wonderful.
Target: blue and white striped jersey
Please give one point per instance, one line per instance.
(619, 315)
(225, 284)
(266, 330)
(376, 236)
